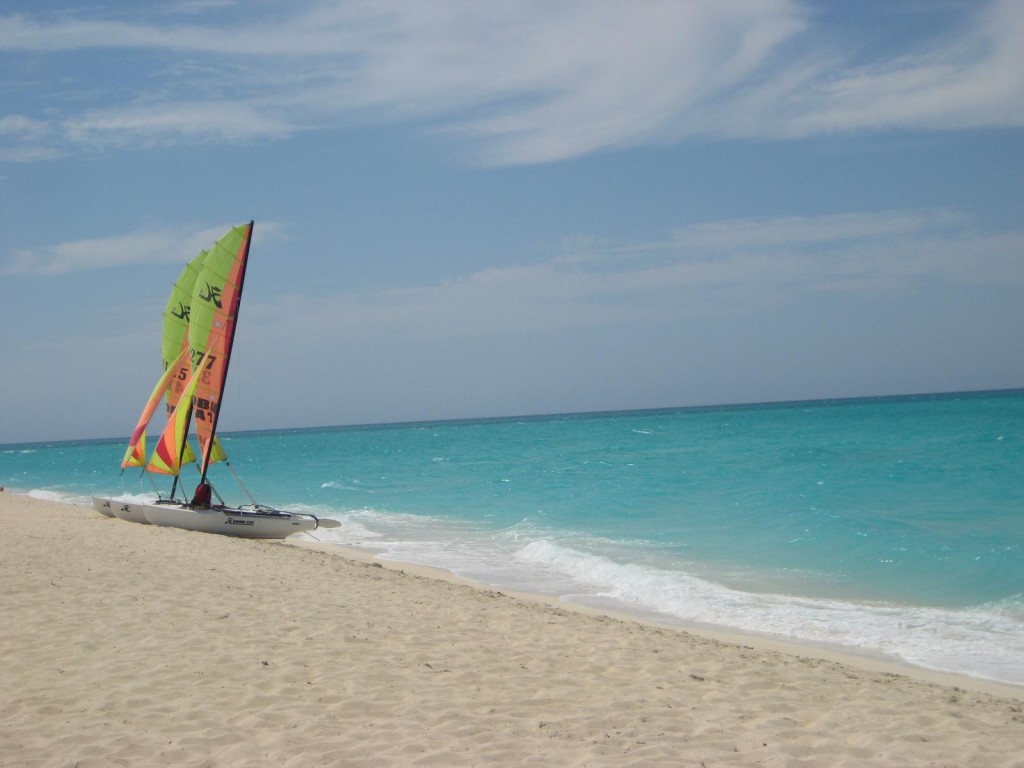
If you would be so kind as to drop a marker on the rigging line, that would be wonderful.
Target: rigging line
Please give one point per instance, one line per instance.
(238, 479)
(153, 483)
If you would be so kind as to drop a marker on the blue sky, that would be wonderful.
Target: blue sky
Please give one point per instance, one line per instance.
(472, 209)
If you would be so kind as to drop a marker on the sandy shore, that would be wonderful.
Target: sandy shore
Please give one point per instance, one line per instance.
(125, 644)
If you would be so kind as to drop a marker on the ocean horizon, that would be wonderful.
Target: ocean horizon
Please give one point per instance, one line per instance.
(888, 526)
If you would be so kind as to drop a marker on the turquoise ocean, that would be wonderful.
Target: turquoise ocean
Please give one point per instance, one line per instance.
(891, 527)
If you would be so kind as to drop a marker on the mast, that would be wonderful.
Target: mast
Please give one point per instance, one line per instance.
(236, 302)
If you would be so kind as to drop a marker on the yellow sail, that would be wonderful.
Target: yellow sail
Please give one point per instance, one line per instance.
(167, 454)
(135, 455)
(217, 454)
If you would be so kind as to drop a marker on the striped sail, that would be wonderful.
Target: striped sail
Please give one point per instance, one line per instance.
(170, 450)
(174, 351)
(135, 456)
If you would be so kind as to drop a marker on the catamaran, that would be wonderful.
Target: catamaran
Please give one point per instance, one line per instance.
(199, 331)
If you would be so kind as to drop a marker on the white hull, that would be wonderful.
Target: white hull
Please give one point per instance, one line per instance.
(122, 510)
(232, 522)
(104, 505)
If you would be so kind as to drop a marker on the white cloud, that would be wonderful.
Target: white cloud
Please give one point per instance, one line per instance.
(142, 247)
(612, 77)
(29, 154)
(162, 123)
(19, 125)
(532, 81)
(714, 270)
(98, 253)
(198, 6)
(28, 138)
(803, 231)
(975, 80)
(598, 283)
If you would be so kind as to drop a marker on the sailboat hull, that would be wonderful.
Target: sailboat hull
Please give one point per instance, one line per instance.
(228, 522)
(122, 510)
(104, 505)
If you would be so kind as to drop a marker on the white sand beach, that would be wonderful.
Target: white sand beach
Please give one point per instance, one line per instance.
(125, 645)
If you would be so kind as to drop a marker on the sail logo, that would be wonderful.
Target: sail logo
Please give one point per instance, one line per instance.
(181, 312)
(210, 293)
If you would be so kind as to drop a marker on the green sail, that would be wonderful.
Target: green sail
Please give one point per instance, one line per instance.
(176, 322)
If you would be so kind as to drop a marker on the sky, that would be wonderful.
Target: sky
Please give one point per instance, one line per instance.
(468, 209)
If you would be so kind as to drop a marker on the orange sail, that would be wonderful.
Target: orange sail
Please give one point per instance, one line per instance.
(211, 331)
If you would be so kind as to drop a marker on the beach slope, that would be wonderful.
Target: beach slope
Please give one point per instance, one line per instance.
(126, 644)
